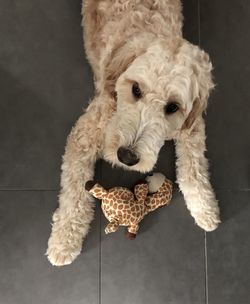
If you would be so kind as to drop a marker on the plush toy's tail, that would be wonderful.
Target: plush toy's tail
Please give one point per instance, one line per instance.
(95, 189)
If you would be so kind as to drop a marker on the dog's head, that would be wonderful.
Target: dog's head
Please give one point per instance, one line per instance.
(160, 92)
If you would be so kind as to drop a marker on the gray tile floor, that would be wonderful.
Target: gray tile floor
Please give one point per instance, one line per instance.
(44, 83)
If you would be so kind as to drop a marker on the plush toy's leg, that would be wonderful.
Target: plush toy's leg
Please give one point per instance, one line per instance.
(132, 231)
(193, 177)
(112, 227)
(133, 228)
(71, 220)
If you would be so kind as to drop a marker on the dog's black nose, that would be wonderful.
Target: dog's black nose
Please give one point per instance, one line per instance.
(127, 157)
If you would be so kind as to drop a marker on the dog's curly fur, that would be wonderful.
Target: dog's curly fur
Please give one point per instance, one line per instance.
(136, 42)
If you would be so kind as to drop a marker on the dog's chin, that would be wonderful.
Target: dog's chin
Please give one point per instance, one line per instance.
(144, 165)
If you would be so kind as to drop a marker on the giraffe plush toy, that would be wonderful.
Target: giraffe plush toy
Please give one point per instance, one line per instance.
(122, 207)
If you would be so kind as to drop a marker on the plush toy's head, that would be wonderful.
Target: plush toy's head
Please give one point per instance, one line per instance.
(155, 181)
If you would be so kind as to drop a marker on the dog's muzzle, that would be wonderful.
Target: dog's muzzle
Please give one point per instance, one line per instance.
(127, 157)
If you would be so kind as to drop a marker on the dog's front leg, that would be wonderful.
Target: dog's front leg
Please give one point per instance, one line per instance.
(193, 177)
(71, 220)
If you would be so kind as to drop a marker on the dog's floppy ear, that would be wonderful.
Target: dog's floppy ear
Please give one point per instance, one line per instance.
(194, 113)
(117, 65)
(202, 81)
(117, 62)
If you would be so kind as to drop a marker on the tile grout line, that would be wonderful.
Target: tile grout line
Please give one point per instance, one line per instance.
(100, 244)
(57, 190)
(205, 234)
(206, 267)
(199, 23)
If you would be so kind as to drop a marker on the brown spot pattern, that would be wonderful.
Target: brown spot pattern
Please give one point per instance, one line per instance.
(124, 208)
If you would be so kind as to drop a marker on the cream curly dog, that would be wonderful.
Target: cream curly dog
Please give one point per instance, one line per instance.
(151, 85)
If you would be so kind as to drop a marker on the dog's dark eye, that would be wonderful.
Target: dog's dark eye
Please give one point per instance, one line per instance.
(171, 108)
(136, 90)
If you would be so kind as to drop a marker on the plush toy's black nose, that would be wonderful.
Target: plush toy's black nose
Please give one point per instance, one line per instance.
(127, 157)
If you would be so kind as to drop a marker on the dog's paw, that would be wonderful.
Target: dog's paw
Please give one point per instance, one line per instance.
(208, 221)
(61, 257)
